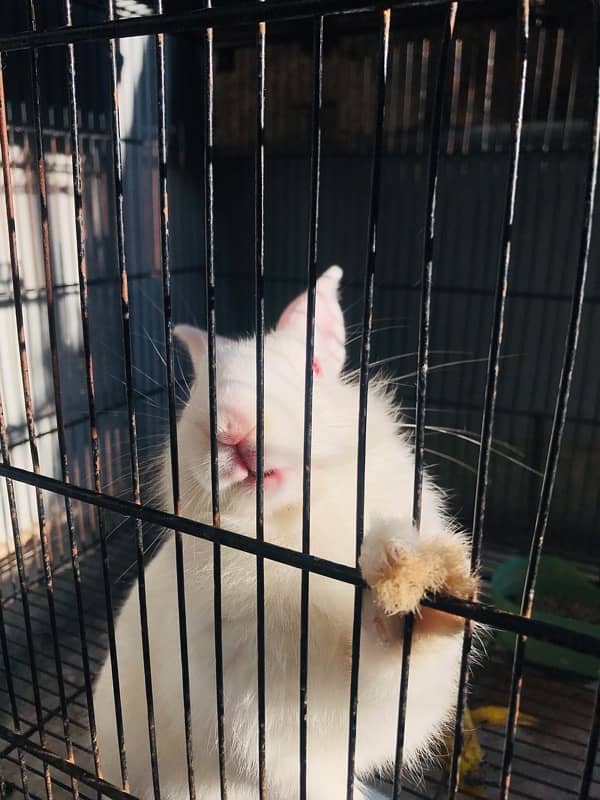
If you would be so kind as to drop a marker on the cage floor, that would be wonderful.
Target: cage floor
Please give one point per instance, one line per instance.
(548, 757)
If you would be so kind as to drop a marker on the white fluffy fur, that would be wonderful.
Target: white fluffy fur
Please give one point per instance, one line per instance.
(388, 503)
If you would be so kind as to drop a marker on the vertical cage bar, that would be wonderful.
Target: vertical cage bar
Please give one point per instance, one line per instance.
(14, 710)
(423, 364)
(313, 247)
(170, 375)
(259, 256)
(23, 587)
(369, 287)
(209, 244)
(492, 374)
(31, 428)
(90, 386)
(488, 92)
(592, 749)
(57, 388)
(558, 424)
(131, 410)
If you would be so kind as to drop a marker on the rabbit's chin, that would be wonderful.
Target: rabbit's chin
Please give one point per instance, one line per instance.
(282, 488)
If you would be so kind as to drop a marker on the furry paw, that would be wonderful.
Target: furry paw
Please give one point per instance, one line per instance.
(402, 566)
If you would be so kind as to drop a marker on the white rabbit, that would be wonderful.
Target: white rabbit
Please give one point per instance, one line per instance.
(399, 564)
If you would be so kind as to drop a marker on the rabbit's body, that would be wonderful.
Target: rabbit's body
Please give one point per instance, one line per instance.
(390, 539)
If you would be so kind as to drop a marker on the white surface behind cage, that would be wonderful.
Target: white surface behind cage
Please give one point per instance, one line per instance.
(29, 244)
(137, 115)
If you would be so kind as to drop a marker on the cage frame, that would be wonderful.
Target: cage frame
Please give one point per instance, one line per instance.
(258, 15)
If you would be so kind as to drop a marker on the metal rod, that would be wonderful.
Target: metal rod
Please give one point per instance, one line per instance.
(259, 266)
(558, 425)
(170, 376)
(423, 365)
(592, 749)
(131, 410)
(479, 612)
(492, 375)
(56, 381)
(24, 591)
(313, 247)
(369, 288)
(14, 710)
(209, 245)
(91, 391)
(28, 402)
(237, 15)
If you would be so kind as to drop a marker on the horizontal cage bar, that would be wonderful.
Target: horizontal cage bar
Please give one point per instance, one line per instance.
(478, 612)
(234, 15)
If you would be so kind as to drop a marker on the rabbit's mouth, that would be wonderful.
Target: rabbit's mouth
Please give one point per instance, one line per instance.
(272, 478)
(239, 467)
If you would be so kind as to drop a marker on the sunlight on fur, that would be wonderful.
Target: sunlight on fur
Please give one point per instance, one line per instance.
(399, 565)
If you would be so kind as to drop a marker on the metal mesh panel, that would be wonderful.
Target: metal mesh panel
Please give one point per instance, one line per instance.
(447, 155)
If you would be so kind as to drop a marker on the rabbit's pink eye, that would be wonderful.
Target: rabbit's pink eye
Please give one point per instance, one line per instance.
(316, 367)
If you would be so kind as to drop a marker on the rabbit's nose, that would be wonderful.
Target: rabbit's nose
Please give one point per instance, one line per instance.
(233, 426)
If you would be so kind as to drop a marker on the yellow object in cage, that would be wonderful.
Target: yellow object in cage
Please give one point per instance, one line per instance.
(470, 778)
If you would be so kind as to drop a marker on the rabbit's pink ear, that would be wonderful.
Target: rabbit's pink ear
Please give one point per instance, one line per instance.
(330, 334)
(195, 340)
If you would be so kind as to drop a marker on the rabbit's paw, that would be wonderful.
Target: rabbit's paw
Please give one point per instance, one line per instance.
(401, 566)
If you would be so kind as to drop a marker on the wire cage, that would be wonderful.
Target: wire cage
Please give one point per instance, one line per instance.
(446, 155)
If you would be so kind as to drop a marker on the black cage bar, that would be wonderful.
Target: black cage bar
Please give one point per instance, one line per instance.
(59, 759)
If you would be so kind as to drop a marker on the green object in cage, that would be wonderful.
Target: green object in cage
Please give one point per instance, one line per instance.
(563, 597)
